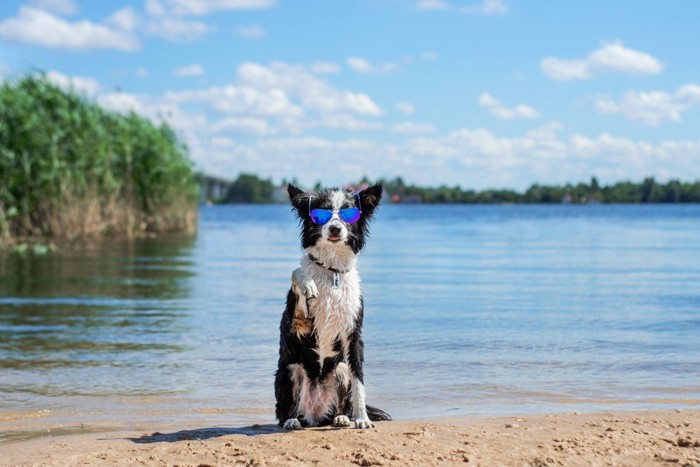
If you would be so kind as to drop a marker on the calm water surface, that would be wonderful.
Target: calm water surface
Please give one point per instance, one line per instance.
(469, 310)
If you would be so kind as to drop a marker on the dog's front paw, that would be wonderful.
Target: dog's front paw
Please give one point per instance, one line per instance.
(292, 424)
(341, 421)
(304, 284)
(309, 288)
(361, 422)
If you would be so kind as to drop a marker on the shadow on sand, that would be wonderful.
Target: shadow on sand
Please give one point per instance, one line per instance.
(206, 433)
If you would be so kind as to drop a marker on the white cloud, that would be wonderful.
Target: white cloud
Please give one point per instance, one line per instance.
(609, 57)
(651, 108)
(498, 110)
(311, 91)
(406, 107)
(157, 109)
(162, 22)
(471, 157)
(61, 7)
(245, 125)
(124, 19)
(486, 7)
(123, 102)
(177, 30)
(240, 100)
(250, 32)
(220, 141)
(412, 128)
(190, 70)
(257, 133)
(348, 123)
(565, 70)
(324, 68)
(689, 93)
(37, 27)
(432, 5)
(480, 158)
(79, 84)
(361, 65)
(203, 7)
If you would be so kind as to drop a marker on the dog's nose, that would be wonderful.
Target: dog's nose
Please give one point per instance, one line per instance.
(334, 230)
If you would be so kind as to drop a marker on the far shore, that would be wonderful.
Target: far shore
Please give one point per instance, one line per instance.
(636, 438)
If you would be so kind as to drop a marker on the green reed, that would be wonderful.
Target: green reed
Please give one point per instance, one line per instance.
(71, 169)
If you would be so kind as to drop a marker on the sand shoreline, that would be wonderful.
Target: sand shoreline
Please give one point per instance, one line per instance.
(658, 437)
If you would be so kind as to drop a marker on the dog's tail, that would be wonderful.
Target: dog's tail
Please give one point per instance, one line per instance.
(377, 415)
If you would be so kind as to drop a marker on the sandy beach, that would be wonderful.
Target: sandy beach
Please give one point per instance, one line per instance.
(669, 437)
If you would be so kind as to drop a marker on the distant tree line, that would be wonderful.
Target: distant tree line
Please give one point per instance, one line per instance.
(251, 189)
(69, 168)
(648, 191)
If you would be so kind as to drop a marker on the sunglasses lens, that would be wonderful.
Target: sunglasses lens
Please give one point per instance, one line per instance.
(350, 215)
(320, 216)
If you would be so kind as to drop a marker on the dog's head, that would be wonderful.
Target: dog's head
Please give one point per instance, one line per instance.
(334, 217)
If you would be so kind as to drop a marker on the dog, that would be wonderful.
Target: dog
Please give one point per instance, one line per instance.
(319, 379)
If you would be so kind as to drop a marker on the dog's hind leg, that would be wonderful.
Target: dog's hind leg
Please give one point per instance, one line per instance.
(342, 379)
(284, 393)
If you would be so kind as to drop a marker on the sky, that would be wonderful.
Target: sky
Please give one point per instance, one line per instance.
(476, 93)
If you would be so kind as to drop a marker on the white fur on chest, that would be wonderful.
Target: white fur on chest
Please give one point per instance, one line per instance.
(336, 308)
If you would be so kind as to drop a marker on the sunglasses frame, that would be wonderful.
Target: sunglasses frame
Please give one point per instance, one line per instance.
(338, 211)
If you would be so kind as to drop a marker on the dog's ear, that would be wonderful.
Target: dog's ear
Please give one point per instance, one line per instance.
(299, 199)
(370, 198)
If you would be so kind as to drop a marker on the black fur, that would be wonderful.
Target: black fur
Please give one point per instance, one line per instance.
(299, 348)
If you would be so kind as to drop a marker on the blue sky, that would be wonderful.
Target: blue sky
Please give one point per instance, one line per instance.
(477, 93)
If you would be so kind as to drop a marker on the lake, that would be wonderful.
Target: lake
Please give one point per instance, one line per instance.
(470, 310)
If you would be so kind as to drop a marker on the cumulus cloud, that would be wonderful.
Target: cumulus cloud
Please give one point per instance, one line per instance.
(311, 91)
(250, 32)
(79, 84)
(241, 100)
(190, 70)
(61, 7)
(609, 57)
(471, 157)
(432, 5)
(34, 26)
(486, 7)
(124, 19)
(164, 23)
(203, 7)
(281, 98)
(221, 141)
(412, 128)
(242, 125)
(406, 107)
(324, 68)
(361, 65)
(651, 108)
(498, 110)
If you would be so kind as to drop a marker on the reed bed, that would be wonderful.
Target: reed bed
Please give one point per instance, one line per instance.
(71, 169)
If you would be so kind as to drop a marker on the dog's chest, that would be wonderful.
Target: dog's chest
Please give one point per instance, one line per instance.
(335, 310)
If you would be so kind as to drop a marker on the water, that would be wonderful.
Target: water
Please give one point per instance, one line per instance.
(469, 310)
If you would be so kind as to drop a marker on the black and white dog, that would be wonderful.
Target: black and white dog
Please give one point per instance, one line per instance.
(319, 378)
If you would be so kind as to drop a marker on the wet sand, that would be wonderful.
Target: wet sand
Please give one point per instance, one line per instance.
(668, 437)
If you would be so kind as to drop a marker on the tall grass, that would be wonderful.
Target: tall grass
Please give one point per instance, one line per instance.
(70, 169)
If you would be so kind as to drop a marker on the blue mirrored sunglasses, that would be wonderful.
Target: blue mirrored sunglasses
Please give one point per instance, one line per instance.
(322, 216)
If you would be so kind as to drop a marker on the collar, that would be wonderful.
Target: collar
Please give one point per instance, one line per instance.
(333, 270)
